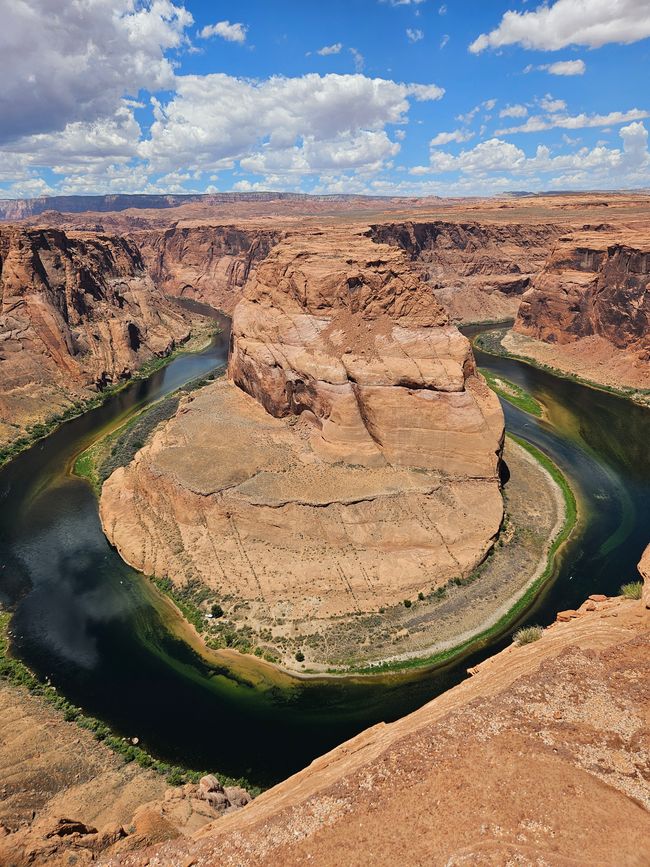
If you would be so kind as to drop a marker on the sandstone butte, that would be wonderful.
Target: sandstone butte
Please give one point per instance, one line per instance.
(77, 312)
(351, 460)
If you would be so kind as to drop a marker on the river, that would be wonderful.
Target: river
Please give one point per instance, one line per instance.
(109, 643)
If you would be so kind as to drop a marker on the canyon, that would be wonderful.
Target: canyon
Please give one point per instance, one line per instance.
(351, 461)
(77, 313)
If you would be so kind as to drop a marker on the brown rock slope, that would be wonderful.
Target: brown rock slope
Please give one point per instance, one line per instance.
(65, 797)
(76, 312)
(478, 271)
(209, 264)
(541, 757)
(592, 303)
(355, 464)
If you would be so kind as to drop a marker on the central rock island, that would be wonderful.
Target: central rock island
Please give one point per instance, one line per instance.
(350, 460)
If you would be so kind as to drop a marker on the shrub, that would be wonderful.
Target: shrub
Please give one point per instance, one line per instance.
(420, 596)
(633, 590)
(407, 603)
(528, 634)
(217, 610)
(300, 656)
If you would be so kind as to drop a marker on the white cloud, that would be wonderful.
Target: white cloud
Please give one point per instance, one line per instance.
(280, 124)
(514, 111)
(62, 62)
(359, 59)
(226, 30)
(425, 92)
(413, 34)
(600, 166)
(443, 9)
(551, 104)
(489, 104)
(445, 40)
(457, 135)
(538, 123)
(330, 49)
(570, 22)
(566, 67)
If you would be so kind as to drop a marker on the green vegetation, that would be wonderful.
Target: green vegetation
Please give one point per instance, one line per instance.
(300, 656)
(216, 610)
(633, 590)
(513, 393)
(407, 603)
(15, 672)
(528, 634)
(184, 598)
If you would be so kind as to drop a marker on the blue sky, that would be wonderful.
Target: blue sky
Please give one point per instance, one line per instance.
(396, 97)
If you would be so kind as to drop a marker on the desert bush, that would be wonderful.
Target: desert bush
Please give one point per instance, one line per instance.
(528, 634)
(633, 590)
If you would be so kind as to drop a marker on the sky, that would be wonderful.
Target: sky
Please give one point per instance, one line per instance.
(380, 97)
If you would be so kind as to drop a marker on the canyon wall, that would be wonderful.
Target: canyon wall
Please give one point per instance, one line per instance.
(209, 264)
(76, 312)
(594, 284)
(478, 271)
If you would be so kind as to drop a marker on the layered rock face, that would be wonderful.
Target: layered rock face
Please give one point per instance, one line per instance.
(209, 264)
(351, 461)
(592, 285)
(76, 311)
(478, 271)
(347, 333)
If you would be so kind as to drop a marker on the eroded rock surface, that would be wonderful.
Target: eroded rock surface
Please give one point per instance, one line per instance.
(344, 330)
(209, 264)
(76, 312)
(540, 758)
(351, 462)
(594, 285)
(478, 271)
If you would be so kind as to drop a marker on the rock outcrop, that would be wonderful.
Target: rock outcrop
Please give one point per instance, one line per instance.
(345, 332)
(593, 284)
(209, 264)
(76, 312)
(65, 797)
(541, 757)
(351, 461)
(478, 271)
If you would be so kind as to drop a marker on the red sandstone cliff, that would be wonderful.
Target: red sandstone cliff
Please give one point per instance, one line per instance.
(205, 263)
(595, 284)
(76, 312)
(478, 271)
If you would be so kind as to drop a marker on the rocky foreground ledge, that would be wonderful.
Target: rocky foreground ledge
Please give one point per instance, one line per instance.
(541, 757)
